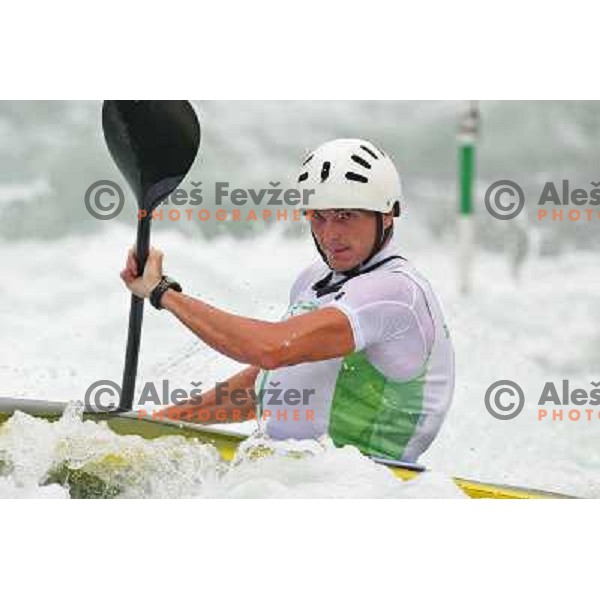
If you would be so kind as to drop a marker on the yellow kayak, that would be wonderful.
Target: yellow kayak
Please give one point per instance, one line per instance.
(226, 443)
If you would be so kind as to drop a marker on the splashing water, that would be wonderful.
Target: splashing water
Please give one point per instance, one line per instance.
(73, 458)
(89, 460)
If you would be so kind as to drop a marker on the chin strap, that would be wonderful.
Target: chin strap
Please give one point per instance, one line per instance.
(381, 238)
(323, 287)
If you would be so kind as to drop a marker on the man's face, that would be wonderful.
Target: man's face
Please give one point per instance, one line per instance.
(345, 236)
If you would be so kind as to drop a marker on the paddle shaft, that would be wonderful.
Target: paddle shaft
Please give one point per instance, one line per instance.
(136, 316)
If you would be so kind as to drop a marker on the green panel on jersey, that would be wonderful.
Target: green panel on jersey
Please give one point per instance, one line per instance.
(373, 413)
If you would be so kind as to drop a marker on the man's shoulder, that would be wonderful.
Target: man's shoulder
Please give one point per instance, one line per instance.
(397, 281)
(402, 271)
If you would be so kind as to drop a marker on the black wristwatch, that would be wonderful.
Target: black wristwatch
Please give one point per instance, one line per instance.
(166, 283)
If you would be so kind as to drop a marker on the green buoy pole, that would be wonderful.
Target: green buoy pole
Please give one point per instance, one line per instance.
(467, 138)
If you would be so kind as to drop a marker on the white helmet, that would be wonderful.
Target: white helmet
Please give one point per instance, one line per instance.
(350, 174)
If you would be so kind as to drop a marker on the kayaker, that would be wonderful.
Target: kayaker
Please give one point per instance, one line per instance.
(364, 330)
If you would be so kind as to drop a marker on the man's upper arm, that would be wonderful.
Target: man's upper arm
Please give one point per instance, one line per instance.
(318, 335)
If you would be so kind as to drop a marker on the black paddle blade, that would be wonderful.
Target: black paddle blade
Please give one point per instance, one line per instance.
(153, 143)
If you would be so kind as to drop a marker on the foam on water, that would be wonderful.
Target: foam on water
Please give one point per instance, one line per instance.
(72, 457)
(316, 469)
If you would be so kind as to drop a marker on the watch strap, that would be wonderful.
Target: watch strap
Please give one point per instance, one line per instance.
(166, 283)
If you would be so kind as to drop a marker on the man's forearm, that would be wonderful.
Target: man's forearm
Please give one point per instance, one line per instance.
(243, 339)
(232, 403)
(317, 335)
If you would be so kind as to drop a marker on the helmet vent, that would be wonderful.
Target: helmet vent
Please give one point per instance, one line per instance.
(369, 151)
(308, 160)
(303, 177)
(361, 161)
(356, 177)
(325, 170)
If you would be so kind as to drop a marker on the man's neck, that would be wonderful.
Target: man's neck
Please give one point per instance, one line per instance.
(384, 252)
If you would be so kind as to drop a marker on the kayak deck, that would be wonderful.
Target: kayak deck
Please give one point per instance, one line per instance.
(226, 442)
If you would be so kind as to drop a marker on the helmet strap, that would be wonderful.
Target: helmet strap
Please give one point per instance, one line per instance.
(381, 238)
